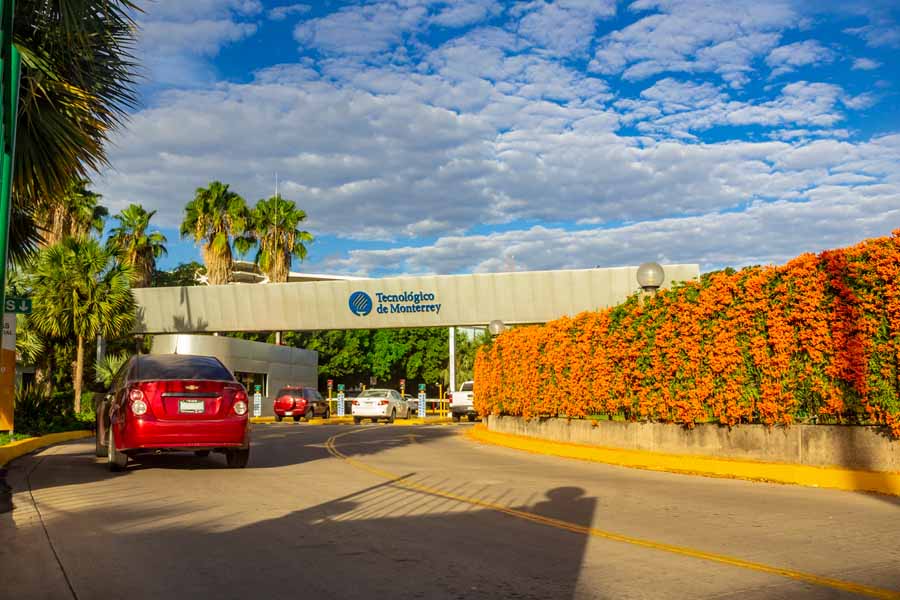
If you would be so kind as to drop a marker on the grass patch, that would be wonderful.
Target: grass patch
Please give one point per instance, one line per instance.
(6, 438)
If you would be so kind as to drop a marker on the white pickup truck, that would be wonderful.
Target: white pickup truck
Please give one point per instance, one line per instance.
(461, 402)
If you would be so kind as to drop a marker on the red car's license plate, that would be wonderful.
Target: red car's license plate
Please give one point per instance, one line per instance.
(191, 406)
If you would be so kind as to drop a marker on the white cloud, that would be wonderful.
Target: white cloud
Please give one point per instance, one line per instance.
(402, 125)
(203, 37)
(883, 32)
(680, 109)
(361, 30)
(804, 134)
(563, 27)
(860, 101)
(177, 39)
(865, 64)
(785, 59)
(765, 233)
(184, 12)
(280, 13)
(373, 166)
(460, 13)
(694, 36)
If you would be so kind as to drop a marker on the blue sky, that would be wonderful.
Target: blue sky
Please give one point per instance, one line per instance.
(476, 135)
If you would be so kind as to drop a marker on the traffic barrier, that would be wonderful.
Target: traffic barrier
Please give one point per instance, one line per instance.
(434, 420)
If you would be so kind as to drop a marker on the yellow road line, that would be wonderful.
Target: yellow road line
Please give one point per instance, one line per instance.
(826, 477)
(838, 584)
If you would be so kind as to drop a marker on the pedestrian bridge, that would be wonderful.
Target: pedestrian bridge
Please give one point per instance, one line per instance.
(391, 302)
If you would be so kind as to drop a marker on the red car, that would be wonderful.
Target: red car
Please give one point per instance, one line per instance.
(173, 402)
(300, 402)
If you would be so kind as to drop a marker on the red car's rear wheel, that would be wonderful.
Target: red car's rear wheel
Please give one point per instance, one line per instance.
(116, 460)
(99, 450)
(237, 459)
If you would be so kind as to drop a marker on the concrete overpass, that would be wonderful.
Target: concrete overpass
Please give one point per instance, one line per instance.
(409, 301)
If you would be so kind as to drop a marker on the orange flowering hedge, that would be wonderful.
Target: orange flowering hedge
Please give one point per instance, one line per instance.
(817, 337)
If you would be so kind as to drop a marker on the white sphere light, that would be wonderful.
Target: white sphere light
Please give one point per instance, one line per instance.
(496, 327)
(650, 276)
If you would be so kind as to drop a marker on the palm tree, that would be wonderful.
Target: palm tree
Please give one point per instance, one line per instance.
(81, 291)
(107, 367)
(274, 226)
(77, 213)
(135, 247)
(77, 86)
(214, 217)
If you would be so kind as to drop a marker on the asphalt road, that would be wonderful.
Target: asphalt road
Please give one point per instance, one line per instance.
(422, 512)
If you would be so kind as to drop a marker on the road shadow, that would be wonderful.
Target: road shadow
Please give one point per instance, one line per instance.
(384, 541)
(272, 446)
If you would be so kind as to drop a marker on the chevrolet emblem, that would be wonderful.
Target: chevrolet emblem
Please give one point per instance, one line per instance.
(191, 388)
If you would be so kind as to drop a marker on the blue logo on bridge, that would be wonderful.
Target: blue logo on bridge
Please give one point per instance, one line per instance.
(360, 304)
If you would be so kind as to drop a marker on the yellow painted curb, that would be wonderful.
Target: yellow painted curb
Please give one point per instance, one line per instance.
(21, 447)
(826, 477)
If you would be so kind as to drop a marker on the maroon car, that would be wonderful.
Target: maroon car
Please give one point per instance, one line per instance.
(173, 403)
(300, 402)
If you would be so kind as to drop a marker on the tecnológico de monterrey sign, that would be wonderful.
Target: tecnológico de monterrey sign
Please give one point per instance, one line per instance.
(361, 304)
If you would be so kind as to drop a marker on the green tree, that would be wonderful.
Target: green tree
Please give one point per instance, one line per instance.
(184, 275)
(343, 355)
(390, 348)
(81, 291)
(77, 213)
(77, 86)
(134, 245)
(214, 218)
(466, 351)
(427, 358)
(274, 225)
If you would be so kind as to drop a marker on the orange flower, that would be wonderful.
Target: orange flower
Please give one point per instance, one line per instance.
(819, 336)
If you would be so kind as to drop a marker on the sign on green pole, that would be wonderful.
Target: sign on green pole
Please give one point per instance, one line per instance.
(10, 63)
(9, 103)
(17, 305)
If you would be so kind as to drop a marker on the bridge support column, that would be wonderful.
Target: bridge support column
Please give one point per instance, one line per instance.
(452, 359)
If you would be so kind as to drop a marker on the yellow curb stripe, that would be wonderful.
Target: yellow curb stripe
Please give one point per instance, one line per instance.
(838, 584)
(825, 477)
(19, 448)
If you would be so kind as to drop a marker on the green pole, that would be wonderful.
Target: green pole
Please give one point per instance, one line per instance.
(10, 62)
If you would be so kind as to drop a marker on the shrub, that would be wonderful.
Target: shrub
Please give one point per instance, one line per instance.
(817, 337)
(37, 412)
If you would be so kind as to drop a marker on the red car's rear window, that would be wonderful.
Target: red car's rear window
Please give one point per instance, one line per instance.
(173, 366)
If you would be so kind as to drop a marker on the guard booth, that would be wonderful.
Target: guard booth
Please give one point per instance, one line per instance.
(253, 363)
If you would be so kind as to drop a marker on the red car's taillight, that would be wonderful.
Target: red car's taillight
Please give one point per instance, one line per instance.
(138, 404)
(240, 404)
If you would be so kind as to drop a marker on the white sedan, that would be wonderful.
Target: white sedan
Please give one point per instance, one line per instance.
(379, 404)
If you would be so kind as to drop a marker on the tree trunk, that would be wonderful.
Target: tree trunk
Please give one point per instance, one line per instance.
(79, 371)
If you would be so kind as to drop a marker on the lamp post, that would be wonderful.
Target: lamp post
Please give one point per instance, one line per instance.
(496, 327)
(650, 277)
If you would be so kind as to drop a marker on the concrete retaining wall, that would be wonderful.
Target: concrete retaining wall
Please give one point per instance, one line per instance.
(851, 447)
